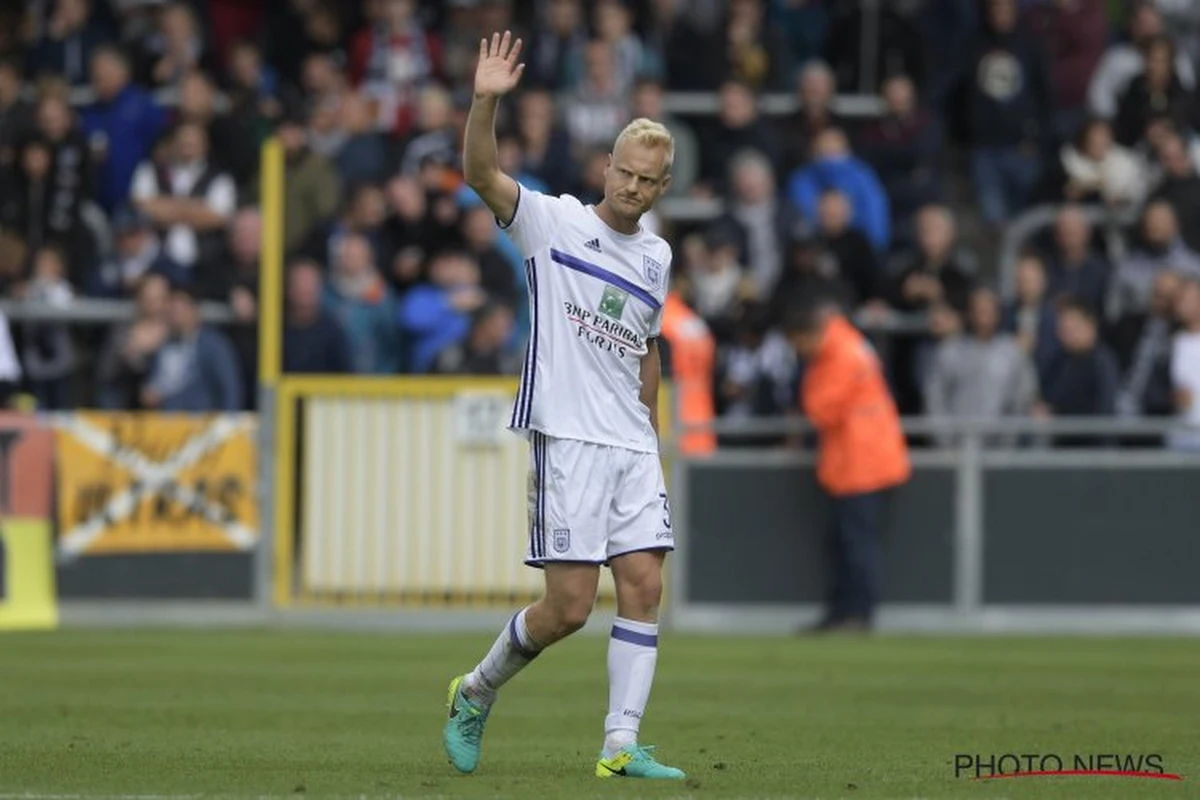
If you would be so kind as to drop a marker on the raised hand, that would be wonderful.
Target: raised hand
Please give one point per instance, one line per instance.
(498, 71)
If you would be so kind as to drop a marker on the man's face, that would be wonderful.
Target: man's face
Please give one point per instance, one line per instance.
(737, 106)
(833, 213)
(1031, 280)
(354, 257)
(153, 297)
(304, 289)
(985, 314)
(899, 95)
(191, 145)
(1076, 332)
(1165, 294)
(1175, 158)
(1072, 231)
(1187, 307)
(635, 177)
(805, 343)
(753, 183)
(648, 101)
(109, 76)
(1160, 225)
(185, 316)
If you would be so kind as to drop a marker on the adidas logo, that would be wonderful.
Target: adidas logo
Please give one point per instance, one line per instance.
(592, 244)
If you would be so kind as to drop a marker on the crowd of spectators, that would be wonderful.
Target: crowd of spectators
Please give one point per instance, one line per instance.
(130, 135)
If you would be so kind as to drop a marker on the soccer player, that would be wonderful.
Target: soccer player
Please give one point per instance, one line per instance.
(587, 404)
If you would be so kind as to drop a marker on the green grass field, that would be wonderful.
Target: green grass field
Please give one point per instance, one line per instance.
(291, 714)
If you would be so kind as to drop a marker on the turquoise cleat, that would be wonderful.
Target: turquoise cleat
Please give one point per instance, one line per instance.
(463, 734)
(634, 761)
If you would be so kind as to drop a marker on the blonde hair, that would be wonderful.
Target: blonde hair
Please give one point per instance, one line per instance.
(649, 133)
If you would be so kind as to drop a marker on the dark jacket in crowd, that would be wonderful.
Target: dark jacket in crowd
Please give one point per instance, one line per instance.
(319, 348)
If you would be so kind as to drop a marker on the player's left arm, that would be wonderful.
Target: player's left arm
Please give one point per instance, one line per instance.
(651, 371)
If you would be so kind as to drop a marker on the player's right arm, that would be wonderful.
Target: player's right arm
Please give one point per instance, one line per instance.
(497, 74)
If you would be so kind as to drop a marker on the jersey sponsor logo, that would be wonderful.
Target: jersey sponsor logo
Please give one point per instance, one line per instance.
(652, 270)
(606, 334)
(593, 245)
(562, 540)
(612, 302)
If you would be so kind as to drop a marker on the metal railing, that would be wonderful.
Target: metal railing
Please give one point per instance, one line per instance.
(772, 104)
(95, 311)
(969, 427)
(1028, 224)
(966, 503)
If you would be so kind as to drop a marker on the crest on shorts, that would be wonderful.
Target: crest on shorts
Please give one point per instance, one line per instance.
(562, 540)
(612, 302)
(653, 271)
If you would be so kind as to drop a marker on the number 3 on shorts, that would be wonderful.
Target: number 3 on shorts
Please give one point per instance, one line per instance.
(666, 510)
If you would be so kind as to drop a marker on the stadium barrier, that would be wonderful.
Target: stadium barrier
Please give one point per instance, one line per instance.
(403, 493)
(982, 538)
(406, 501)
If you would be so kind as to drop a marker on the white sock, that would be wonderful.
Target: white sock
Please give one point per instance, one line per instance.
(632, 654)
(513, 649)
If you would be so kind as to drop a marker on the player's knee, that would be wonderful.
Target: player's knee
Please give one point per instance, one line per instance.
(643, 596)
(573, 615)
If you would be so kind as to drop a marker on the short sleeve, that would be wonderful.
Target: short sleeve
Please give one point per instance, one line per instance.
(532, 220)
(664, 286)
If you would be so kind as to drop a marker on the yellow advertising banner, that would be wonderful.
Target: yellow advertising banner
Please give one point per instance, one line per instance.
(153, 483)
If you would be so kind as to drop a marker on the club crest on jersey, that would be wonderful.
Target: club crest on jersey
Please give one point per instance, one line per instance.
(653, 271)
(562, 540)
(612, 302)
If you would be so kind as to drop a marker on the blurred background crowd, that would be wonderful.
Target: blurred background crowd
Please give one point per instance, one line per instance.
(886, 153)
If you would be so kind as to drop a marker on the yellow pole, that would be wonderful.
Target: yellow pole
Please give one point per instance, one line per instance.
(270, 358)
(270, 287)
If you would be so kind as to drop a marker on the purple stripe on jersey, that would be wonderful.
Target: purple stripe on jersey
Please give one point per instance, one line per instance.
(533, 341)
(633, 637)
(537, 497)
(537, 494)
(540, 531)
(588, 268)
(516, 420)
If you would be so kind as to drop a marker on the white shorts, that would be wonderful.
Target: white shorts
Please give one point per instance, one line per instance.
(592, 502)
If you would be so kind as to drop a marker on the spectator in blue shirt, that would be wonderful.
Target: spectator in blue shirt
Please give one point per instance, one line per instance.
(835, 167)
(438, 314)
(122, 125)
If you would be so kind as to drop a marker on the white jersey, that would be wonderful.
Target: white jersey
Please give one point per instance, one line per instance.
(595, 298)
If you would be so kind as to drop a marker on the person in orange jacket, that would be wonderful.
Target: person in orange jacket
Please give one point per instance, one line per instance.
(689, 357)
(862, 452)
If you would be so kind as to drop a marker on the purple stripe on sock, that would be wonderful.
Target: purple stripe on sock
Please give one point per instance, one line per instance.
(516, 640)
(633, 637)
